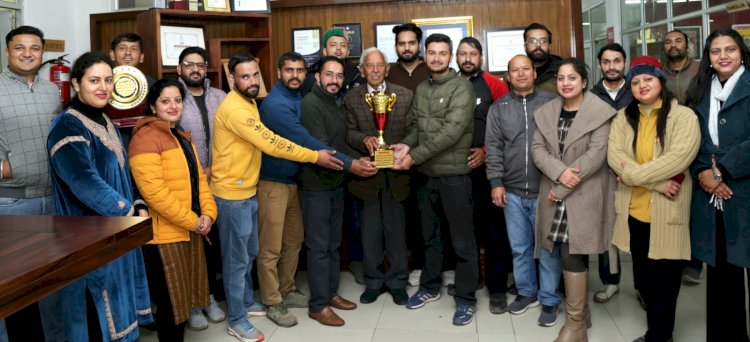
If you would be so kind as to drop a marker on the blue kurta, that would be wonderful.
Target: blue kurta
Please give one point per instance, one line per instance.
(90, 177)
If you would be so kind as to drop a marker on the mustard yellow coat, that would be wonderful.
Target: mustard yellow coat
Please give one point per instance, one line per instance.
(670, 219)
(161, 173)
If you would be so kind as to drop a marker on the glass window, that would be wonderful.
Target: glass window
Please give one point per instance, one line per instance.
(586, 26)
(724, 19)
(596, 71)
(692, 27)
(680, 7)
(631, 42)
(655, 10)
(599, 21)
(655, 41)
(631, 13)
(590, 59)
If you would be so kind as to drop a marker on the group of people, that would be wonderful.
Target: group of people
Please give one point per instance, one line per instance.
(539, 167)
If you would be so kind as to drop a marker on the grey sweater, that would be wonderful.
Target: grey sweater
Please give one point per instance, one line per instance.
(25, 115)
(510, 130)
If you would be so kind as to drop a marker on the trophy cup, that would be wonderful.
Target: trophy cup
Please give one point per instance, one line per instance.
(380, 104)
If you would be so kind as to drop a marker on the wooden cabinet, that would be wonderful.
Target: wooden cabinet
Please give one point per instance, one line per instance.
(225, 35)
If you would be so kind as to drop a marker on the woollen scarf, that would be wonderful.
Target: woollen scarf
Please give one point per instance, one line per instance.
(720, 95)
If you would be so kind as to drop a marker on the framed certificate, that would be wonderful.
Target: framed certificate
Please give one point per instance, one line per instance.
(354, 32)
(306, 42)
(174, 39)
(385, 40)
(454, 27)
(251, 6)
(216, 5)
(501, 46)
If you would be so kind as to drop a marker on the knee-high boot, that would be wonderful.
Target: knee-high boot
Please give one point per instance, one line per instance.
(575, 326)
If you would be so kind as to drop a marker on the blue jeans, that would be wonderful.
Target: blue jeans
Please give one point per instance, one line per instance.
(520, 215)
(238, 231)
(49, 307)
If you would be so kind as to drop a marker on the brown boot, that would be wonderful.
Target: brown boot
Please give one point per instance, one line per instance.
(574, 329)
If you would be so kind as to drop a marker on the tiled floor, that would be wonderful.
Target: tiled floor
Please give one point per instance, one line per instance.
(622, 319)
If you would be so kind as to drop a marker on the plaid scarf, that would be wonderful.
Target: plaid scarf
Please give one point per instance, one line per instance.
(559, 231)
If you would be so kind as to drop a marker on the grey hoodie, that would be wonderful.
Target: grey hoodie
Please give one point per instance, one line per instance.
(510, 130)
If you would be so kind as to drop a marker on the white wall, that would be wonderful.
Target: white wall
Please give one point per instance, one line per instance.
(64, 19)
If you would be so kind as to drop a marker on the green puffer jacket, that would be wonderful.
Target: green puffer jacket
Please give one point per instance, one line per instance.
(443, 115)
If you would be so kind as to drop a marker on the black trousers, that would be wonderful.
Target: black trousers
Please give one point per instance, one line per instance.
(726, 316)
(451, 195)
(658, 280)
(165, 328)
(322, 215)
(384, 234)
(490, 231)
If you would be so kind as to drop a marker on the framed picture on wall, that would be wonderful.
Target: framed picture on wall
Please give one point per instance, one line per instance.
(385, 40)
(216, 5)
(306, 42)
(454, 27)
(354, 32)
(695, 40)
(251, 6)
(500, 46)
(174, 39)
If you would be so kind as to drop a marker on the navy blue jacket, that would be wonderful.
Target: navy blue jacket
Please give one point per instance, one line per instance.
(732, 156)
(280, 112)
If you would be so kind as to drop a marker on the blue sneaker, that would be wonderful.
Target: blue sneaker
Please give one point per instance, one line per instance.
(464, 314)
(256, 310)
(421, 298)
(245, 332)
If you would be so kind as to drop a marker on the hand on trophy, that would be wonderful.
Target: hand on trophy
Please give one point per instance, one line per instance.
(399, 151)
(404, 163)
(371, 143)
(363, 168)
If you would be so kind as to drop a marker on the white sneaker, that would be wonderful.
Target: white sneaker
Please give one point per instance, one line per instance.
(414, 277)
(606, 293)
(449, 278)
(214, 312)
(197, 321)
(256, 310)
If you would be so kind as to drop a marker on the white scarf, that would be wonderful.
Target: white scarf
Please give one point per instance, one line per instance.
(720, 94)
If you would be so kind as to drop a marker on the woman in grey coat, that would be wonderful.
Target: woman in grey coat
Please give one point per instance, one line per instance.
(575, 209)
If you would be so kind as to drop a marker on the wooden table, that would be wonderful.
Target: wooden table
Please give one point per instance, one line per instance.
(41, 254)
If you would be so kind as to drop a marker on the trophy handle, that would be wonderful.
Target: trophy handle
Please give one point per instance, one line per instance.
(368, 99)
(391, 101)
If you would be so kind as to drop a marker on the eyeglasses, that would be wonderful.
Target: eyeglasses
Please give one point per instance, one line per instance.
(190, 65)
(537, 41)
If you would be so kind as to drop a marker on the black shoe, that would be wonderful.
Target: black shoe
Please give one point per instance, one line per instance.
(399, 296)
(451, 290)
(370, 296)
(498, 303)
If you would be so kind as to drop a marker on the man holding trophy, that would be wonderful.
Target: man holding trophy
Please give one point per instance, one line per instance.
(377, 115)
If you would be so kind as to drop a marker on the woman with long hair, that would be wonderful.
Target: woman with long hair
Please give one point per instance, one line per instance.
(575, 209)
(90, 177)
(720, 220)
(652, 142)
(169, 176)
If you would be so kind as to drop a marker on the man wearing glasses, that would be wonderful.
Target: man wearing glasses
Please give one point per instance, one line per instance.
(199, 106)
(537, 39)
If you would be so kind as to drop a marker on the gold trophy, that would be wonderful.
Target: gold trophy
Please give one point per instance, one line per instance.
(380, 104)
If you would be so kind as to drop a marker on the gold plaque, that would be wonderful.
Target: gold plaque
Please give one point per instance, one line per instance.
(383, 159)
(131, 87)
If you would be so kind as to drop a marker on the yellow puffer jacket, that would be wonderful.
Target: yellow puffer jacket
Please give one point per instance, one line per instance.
(161, 173)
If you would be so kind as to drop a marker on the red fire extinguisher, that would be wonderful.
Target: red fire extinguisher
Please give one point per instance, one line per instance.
(59, 74)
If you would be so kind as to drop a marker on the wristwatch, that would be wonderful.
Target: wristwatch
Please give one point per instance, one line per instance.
(715, 170)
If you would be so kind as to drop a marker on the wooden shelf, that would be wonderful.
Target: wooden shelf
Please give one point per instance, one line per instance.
(225, 35)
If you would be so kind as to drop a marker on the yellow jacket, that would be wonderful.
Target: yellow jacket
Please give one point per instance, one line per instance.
(240, 139)
(161, 173)
(670, 219)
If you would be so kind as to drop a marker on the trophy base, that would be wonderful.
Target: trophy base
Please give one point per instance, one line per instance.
(384, 159)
